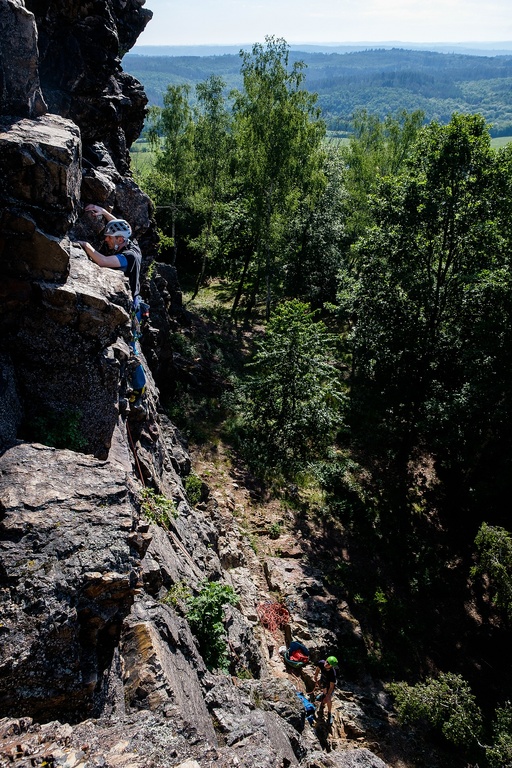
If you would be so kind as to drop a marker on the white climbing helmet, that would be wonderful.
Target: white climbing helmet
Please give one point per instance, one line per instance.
(118, 228)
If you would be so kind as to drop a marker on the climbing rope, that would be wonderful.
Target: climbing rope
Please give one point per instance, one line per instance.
(273, 616)
(134, 451)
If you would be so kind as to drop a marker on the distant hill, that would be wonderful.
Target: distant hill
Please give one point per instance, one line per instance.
(383, 81)
(472, 49)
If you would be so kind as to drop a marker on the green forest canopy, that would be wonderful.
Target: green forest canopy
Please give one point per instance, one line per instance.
(380, 81)
(385, 370)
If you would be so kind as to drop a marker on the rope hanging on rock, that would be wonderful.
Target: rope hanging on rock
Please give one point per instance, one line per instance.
(273, 616)
(134, 451)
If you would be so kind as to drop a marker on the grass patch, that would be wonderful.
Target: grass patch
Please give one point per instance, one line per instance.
(141, 163)
(500, 141)
(193, 488)
(177, 595)
(157, 508)
(333, 137)
(214, 300)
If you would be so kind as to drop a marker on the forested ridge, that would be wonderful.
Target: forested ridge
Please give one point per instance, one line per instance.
(378, 80)
(374, 397)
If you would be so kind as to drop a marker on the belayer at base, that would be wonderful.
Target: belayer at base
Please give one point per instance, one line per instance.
(326, 671)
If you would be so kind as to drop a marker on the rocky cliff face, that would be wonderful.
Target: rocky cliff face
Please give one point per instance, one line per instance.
(97, 666)
(68, 116)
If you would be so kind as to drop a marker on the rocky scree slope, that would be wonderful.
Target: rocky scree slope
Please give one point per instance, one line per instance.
(95, 668)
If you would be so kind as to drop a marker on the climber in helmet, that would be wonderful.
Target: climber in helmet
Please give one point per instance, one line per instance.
(326, 671)
(121, 252)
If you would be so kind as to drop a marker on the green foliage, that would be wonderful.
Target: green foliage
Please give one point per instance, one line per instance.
(448, 706)
(377, 148)
(157, 508)
(291, 403)
(431, 308)
(275, 530)
(278, 135)
(195, 414)
(244, 674)
(409, 229)
(494, 560)
(205, 614)
(317, 238)
(210, 347)
(214, 148)
(184, 345)
(142, 160)
(445, 703)
(177, 594)
(193, 487)
(348, 498)
(499, 755)
(60, 430)
(171, 135)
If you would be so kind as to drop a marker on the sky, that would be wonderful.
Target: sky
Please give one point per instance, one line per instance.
(234, 22)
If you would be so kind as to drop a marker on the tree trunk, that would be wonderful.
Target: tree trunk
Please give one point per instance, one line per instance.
(267, 254)
(241, 284)
(173, 235)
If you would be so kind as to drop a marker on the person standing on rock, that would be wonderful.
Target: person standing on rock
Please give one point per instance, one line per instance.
(326, 671)
(123, 253)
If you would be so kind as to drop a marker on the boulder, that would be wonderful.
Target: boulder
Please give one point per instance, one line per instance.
(350, 758)
(135, 741)
(252, 729)
(40, 177)
(245, 654)
(61, 340)
(311, 604)
(80, 49)
(279, 696)
(162, 668)
(20, 92)
(27, 252)
(67, 579)
(260, 740)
